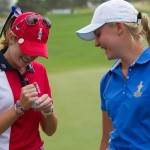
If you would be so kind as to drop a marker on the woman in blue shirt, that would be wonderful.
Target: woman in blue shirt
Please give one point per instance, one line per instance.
(118, 28)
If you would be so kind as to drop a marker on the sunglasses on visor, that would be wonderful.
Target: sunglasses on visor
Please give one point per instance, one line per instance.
(33, 19)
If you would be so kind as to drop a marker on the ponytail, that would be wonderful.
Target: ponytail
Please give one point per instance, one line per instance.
(4, 41)
(146, 28)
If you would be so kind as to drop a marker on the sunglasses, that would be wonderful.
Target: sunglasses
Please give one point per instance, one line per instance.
(34, 19)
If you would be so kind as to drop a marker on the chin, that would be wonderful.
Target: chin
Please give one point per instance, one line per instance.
(110, 58)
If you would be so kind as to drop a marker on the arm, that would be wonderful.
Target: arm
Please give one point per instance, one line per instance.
(48, 122)
(106, 129)
(7, 119)
(27, 97)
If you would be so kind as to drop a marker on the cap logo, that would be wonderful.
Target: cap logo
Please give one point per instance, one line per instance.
(40, 33)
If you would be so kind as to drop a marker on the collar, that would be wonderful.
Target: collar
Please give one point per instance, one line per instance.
(142, 59)
(5, 66)
(117, 63)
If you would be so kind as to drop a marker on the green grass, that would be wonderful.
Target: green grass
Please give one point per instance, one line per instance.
(75, 68)
(76, 99)
(66, 50)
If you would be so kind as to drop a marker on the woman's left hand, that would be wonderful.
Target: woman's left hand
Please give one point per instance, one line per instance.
(44, 103)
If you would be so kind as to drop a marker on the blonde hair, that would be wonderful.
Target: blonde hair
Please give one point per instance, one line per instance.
(140, 30)
(4, 41)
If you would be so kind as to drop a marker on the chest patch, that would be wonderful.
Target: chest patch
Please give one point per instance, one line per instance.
(138, 93)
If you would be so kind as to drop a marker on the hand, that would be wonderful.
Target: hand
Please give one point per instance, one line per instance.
(28, 96)
(44, 103)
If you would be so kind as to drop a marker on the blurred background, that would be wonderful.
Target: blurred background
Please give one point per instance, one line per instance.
(74, 67)
(57, 6)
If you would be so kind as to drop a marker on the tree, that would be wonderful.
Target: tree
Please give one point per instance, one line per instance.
(4, 6)
(31, 5)
(45, 5)
(42, 6)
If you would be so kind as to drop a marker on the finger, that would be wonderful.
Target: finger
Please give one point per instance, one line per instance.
(48, 108)
(44, 102)
(42, 99)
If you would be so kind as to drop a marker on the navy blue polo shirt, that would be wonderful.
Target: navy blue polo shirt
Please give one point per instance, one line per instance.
(128, 104)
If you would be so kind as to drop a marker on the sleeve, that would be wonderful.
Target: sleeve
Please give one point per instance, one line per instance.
(47, 88)
(102, 99)
(103, 84)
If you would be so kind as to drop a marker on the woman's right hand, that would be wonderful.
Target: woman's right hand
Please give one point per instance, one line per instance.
(28, 96)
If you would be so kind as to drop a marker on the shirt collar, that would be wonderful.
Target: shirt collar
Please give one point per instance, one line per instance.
(143, 58)
(117, 63)
(5, 66)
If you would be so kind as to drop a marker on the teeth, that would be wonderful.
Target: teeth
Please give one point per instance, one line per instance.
(26, 60)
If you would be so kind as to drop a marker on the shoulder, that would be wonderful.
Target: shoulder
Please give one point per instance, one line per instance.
(38, 68)
(105, 78)
(109, 73)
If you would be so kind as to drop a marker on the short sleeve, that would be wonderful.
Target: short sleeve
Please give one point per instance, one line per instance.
(102, 99)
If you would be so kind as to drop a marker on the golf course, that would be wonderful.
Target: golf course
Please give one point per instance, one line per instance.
(75, 68)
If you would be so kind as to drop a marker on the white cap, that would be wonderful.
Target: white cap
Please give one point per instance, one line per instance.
(110, 11)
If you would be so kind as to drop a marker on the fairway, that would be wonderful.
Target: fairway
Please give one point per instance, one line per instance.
(76, 100)
(75, 68)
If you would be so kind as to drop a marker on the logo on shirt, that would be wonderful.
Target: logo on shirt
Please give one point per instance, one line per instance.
(138, 93)
(3, 65)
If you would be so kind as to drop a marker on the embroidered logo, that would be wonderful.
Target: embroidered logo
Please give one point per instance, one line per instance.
(40, 33)
(3, 65)
(138, 93)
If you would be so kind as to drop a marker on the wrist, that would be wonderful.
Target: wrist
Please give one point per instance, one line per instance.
(19, 109)
(46, 114)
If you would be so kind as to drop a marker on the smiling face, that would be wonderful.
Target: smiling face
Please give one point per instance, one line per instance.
(16, 58)
(109, 38)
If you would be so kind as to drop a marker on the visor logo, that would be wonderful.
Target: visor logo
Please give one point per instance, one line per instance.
(40, 33)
